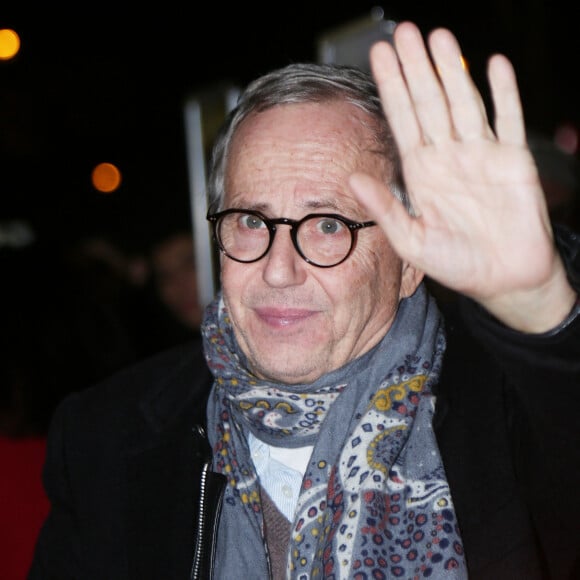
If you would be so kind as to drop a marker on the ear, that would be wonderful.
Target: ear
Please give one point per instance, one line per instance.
(410, 279)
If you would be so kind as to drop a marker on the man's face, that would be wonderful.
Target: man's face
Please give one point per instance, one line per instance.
(295, 321)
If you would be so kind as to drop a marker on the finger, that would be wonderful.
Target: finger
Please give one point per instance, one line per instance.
(395, 96)
(466, 105)
(424, 86)
(389, 213)
(509, 117)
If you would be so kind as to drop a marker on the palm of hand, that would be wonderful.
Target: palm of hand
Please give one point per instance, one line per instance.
(481, 217)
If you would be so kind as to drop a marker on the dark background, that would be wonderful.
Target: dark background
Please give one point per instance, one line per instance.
(104, 82)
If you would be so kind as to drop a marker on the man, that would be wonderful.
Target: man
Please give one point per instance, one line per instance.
(328, 356)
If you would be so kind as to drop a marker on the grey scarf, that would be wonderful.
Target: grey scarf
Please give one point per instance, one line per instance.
(374, 501)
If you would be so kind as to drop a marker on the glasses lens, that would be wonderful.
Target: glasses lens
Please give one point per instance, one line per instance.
(324, 240)
(243, 236)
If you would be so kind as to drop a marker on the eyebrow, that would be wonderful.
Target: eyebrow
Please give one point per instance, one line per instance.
(325, 204)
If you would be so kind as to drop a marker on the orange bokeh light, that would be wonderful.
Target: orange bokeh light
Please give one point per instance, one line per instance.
(106, 177)
(9, 43)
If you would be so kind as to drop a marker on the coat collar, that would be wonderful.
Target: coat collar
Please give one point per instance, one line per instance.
(183, 383)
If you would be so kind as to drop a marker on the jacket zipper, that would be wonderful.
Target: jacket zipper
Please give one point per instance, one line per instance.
(200, 544)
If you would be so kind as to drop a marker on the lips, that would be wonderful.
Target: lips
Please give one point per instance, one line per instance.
(284, 317)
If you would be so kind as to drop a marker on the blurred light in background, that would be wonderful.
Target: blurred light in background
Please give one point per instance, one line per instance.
(9, 44)
(106, 178)
(566, 138)
(16, 234)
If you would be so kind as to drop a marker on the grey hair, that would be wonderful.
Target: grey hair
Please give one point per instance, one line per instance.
(306, 83)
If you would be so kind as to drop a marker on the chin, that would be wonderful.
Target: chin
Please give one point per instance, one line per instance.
(300, 372)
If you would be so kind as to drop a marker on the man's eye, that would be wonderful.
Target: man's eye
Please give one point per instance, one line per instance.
(330, 226)
(252, 222)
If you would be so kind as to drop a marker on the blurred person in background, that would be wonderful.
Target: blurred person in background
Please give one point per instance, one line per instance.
(172, 284)
(175, 279)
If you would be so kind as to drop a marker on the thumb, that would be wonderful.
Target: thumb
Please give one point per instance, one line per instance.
(384, 208)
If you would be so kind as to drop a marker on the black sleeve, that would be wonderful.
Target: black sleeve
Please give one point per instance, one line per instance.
(541, 394)
(508, 427)
(557, 349)
(57, 550)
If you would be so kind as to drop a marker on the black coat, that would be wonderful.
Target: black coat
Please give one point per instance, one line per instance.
(124, 459)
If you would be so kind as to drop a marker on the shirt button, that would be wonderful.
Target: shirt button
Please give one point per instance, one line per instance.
(287, 490)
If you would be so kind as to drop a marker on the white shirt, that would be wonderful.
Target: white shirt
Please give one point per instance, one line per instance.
(280, 470)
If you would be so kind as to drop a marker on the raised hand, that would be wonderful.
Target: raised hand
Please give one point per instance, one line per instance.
(481, 225)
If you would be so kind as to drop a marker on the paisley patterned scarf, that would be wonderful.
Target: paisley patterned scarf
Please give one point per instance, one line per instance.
(374, 501)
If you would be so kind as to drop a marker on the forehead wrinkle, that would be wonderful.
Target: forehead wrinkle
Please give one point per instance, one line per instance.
(311, 171)
(323, 175)
(343, 145)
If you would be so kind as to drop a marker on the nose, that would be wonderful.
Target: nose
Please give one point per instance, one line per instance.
(283, 266)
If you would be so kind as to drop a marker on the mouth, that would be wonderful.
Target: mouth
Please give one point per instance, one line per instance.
(284, 317)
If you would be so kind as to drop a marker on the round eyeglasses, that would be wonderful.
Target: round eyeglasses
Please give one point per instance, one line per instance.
(322, 239)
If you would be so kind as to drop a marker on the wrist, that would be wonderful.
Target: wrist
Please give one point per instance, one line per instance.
(539, 310)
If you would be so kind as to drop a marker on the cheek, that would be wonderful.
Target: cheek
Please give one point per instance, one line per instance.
(235, 280)
(367, 281)
(375, 274)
